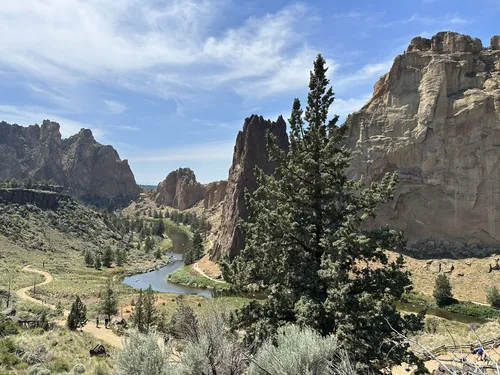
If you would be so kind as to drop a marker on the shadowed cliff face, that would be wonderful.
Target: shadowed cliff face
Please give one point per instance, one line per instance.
(250, 151)
(435, 118)
(90, 170)
(179, 190)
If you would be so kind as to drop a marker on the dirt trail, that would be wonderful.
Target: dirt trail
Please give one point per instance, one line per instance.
(103, 334)
(197, 268)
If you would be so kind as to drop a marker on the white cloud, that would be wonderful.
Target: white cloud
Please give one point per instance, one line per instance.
(448, 19)
(115, 107)
(344, 107)
(27, 115)
(159, 47)
(369, 72)
(210, 151)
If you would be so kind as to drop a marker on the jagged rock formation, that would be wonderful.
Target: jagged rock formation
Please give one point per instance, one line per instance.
(250, 151)
(179, 190)
(435, 118)
(90, 170)
(215, 192)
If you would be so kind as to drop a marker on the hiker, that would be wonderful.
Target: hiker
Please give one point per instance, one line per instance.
(106, 322)
(480, 353)
(165, 339)
(97, 321)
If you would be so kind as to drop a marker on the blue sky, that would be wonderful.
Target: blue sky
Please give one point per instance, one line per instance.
(169, 82)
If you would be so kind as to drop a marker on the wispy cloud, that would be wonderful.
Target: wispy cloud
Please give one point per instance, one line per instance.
(369, 72)
(448, 19)
(165, 48)
(344, 107)
(210, 151)
(115, 107)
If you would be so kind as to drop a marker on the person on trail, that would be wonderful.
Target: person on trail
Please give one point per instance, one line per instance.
(106, 322)
(97, 321)
(480, 353)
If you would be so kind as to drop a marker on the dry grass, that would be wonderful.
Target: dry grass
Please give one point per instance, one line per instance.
(470, 287)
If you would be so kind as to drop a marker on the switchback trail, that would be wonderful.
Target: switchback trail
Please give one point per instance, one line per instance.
(105, 335)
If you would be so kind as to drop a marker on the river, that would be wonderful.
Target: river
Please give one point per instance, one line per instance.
(158, 279)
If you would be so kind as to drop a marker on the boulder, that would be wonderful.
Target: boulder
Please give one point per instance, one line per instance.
(98, 351)
(250, 151)
(9, 311)
(435, 119)
(495, 42)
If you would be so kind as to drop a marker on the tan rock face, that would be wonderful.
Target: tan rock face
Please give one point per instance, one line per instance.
(215, 192)
(90, 170)
(179, 190)
(435, 118)
(250, 151)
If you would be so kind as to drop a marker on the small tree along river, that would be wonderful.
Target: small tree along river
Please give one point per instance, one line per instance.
(158, 279)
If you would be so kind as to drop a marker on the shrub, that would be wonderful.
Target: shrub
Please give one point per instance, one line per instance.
(493, 296)
(142, 355)
(7, 326)
(442, 291)
(431, 325)
(8, 352)
(39, 354)
(38, 370)
(296, 351)
(78, 369)
(101, 369)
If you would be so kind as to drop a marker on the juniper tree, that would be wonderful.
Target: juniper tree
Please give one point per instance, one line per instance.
(442, 290)
(195, 249)
(107, 257)
(89, 259)
(77, 317)
(121, 257)
(109, 301)
(306, 246)
(97, 262)
(145, 315)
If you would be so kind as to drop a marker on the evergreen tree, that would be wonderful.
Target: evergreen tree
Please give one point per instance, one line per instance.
(159, 228)
(121, 257)
(149, 244)
(158, 253)
(493, 296)
(306, 248)
(198, 250)
(442, 291)
(145, 316)
(97, 262)
(109, 301)
(77, 317)
(89, 259)
(107, 257)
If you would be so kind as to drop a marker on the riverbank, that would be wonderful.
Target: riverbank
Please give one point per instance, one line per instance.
(459, 308)
(188, 276)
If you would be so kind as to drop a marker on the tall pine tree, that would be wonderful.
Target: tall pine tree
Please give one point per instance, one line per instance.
(306, 247)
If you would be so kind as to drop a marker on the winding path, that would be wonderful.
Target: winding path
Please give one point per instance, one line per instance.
(200, 271)
(105, 335)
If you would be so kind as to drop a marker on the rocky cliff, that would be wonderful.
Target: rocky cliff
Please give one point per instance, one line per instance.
(215, 192)
(435, 118)
(179, 190)
(90, 170)
(250, 151)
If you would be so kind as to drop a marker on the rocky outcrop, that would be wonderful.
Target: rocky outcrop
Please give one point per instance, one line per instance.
(435, 118)
(215, 192)
(179, 190)
(250, 151)
(46, 200)
(91, 171)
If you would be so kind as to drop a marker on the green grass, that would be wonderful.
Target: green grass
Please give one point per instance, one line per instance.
(458, 307)
(189, 277)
